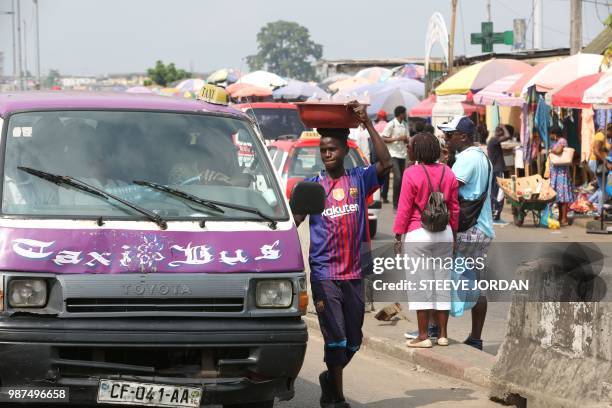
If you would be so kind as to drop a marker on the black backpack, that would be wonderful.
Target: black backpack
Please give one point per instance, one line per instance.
(435, 216)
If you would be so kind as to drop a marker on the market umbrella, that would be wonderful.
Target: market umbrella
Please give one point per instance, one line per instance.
(445, 111)
(139, 90)
(262, 79)
(478, 76)
(390, 99)
(497, 92)
(427, 106)
(571, 95)
(331, 79)
(517, 87)
(168, 92)
(600, 93)
(251, 90)
(348, 83)
(236, 86)
(374, 74)
(423, 109)
(562, 72)
(411, 71)
(406, 84)
(228, 75)
(190, 85)
(299, 90)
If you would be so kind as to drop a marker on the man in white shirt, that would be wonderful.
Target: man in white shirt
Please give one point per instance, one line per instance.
(396, 136)
(361, 136)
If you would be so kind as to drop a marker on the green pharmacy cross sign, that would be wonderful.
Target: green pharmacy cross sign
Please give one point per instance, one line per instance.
(487, 37)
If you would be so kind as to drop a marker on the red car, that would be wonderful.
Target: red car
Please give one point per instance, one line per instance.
(295, 160)
(276, 121)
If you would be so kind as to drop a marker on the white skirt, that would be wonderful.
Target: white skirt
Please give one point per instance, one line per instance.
(429, 256)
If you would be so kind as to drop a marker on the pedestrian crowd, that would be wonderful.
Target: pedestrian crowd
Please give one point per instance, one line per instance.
(440, 211)
(446, 201)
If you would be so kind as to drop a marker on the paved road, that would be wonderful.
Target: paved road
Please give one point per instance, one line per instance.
(376, 381)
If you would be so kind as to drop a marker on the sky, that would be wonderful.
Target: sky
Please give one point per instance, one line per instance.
(94, 37)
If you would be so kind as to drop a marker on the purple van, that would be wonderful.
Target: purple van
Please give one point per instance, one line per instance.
(142, 261)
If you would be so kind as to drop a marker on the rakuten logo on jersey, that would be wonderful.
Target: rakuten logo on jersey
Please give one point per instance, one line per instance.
(334, 212)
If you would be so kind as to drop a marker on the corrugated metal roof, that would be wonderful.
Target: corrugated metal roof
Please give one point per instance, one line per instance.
(600, 43)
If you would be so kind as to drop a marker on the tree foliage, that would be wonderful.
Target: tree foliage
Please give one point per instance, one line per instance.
(285, 48)
(53, 78)
(163, 74)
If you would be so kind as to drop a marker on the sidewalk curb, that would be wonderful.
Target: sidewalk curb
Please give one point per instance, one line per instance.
(426, 358)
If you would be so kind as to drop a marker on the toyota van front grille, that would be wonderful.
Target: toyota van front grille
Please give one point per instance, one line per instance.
(143, 304)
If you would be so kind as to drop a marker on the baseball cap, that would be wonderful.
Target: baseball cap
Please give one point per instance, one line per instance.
(462, 124)
(381, 114)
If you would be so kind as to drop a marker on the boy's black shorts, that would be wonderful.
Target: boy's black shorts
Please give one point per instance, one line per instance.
(340, 309)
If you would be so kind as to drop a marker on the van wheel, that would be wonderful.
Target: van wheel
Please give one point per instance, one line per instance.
(261, 404)
(373, 225)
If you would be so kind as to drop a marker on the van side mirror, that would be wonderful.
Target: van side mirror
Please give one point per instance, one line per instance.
(307, 198)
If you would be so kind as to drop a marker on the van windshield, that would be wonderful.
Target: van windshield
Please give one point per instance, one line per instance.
(207, 156)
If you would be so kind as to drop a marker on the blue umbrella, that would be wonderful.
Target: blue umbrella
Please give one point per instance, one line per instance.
(299, 90)
(388, 100)
(405, 84)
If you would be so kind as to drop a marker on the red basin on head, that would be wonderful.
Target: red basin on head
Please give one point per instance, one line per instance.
(327, 115)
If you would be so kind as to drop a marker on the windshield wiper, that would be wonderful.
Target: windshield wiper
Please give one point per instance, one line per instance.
(208, 203)
(181, 194)
(81, 185)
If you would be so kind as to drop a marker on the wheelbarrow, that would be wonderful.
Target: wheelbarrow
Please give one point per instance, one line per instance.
(527, 195)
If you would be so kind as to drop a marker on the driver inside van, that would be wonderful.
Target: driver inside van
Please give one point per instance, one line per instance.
(88, 159)
(210, 159)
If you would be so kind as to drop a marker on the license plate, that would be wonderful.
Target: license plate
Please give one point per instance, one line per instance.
(150, 395)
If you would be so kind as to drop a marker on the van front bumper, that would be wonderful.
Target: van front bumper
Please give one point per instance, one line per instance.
(240, 360)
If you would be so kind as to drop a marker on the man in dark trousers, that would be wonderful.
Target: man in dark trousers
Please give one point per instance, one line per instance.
(496, 155)
(339, 251)
(396, 136)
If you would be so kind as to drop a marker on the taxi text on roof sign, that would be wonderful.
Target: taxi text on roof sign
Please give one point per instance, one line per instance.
(213, 94)
(310, 134)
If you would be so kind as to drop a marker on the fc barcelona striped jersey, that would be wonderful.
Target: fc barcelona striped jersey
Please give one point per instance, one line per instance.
(339, 237)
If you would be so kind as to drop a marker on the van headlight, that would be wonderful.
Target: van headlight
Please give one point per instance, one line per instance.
(274, 293)
(27, 293)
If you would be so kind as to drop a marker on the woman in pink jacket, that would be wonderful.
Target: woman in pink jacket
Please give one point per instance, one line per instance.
(430, 254)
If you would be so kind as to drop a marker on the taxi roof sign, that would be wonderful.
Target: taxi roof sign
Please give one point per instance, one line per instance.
(213, 94)
(310, 134)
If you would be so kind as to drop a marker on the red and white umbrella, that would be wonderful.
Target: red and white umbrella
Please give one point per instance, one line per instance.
(250, 90)
(600, 93)
(571, 95)
(562, 72)
(498, 92)
(430, 107)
